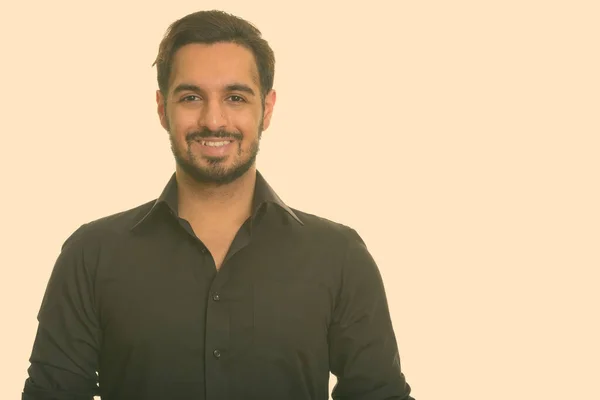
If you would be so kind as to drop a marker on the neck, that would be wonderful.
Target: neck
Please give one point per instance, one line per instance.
(211, 203)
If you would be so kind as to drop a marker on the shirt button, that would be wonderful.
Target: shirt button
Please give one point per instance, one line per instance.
(216, 297)
(217, 353)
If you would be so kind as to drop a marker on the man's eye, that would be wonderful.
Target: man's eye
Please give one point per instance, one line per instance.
(236, 99)
(189, 98)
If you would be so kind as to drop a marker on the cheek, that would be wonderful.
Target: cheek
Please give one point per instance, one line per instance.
(181, 122)
(248, 123)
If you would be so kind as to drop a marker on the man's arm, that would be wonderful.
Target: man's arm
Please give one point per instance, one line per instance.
(363, 350)
(64, 358)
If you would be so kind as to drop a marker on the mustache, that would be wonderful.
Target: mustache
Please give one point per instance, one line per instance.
(208, 134)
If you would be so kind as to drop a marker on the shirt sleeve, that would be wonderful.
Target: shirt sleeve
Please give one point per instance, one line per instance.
(363, 349)
(64, 358)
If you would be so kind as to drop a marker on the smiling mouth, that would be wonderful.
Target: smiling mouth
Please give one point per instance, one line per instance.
(214, 143)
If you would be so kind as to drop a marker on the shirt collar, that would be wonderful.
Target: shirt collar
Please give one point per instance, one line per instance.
(263, 193)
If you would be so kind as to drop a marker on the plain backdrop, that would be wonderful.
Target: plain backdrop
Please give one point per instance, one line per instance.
(459, 138)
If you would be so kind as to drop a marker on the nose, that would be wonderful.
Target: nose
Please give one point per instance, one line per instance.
(213, 116)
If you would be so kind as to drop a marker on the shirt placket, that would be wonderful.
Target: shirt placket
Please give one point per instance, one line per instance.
(218, 346)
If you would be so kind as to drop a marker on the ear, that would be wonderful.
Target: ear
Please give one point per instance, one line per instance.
(161, 108)
(270, 100)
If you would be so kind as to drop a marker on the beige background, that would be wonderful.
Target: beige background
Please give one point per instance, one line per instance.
(460, 138)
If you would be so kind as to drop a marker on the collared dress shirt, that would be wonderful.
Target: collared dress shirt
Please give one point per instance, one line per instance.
(136, 309)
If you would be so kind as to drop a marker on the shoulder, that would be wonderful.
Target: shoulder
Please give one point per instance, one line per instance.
(342, 250)
(109, 227)
(328, 231)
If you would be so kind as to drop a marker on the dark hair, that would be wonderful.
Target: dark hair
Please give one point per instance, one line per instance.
(210, 27)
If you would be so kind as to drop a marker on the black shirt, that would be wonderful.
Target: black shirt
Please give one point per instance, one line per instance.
(136, 309)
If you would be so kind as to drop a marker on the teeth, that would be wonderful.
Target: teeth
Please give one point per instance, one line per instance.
(215, 144)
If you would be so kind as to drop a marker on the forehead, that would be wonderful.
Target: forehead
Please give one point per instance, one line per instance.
(214, 65)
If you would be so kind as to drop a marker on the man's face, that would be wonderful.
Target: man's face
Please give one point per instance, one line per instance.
(214, 112)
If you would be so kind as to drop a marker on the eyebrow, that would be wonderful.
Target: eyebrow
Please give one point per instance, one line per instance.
(234, 87)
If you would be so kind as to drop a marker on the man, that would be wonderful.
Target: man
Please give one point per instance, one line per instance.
(217, 289)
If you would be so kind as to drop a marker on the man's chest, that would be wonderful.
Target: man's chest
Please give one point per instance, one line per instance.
(174, 304)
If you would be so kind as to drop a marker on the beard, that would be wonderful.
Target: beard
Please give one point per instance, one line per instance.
(216, 172)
